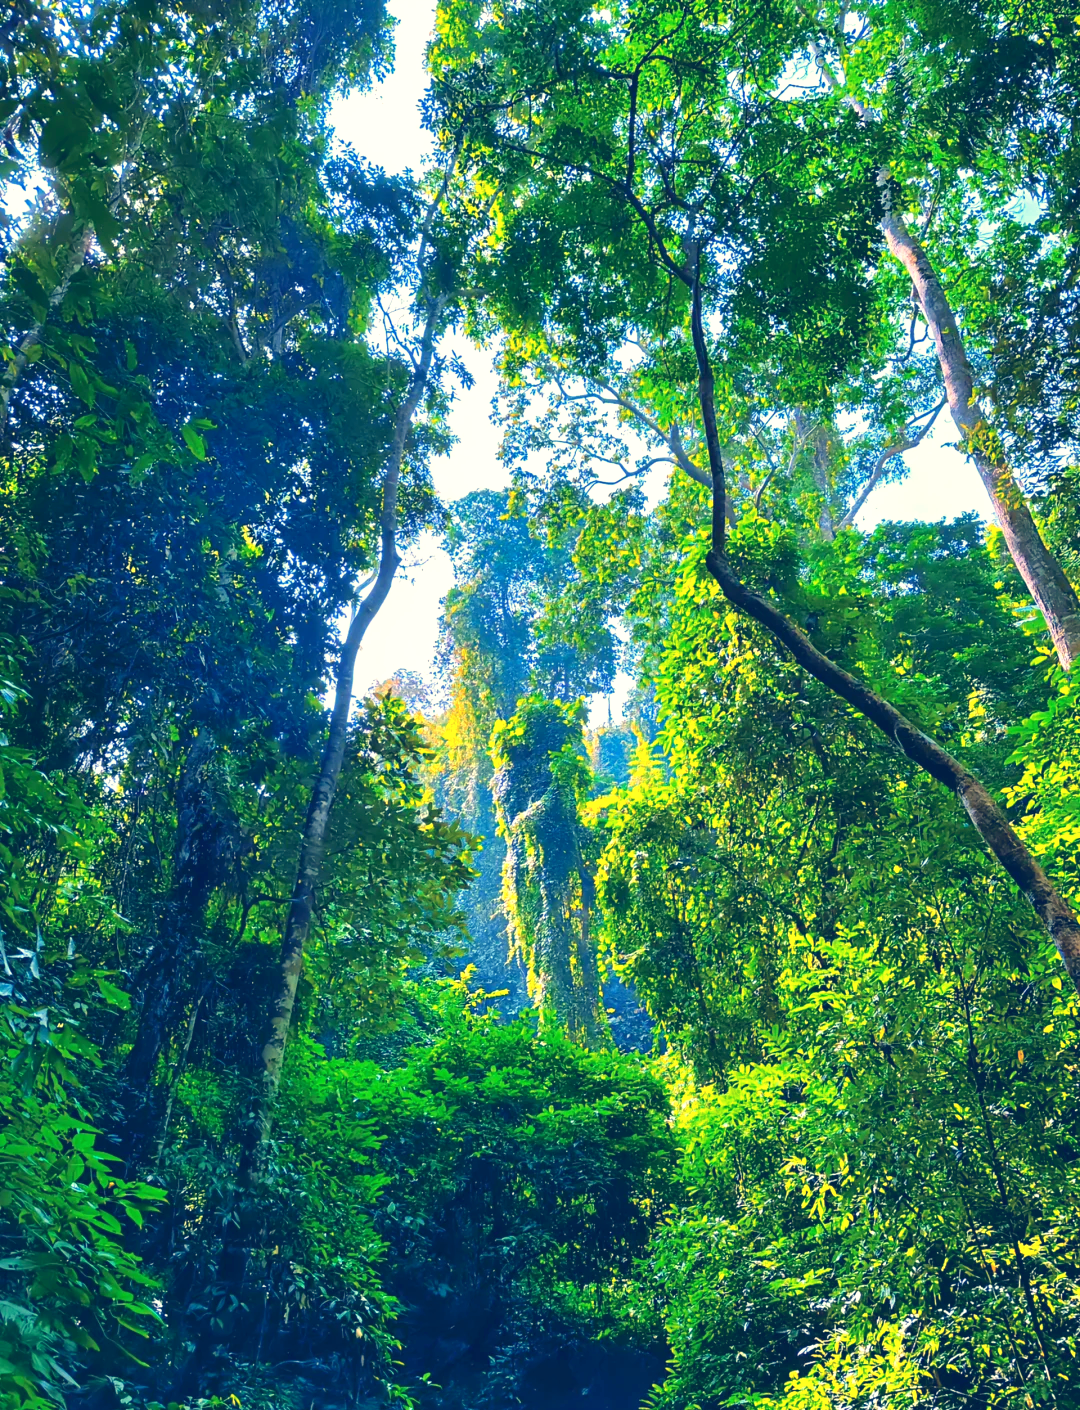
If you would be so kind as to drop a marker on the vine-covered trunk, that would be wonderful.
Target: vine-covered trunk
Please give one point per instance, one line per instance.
(1054, 595)
(548, 890)
(820, 437)
(989, 821)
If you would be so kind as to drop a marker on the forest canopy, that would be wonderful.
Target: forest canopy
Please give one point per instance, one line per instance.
(443, 1045)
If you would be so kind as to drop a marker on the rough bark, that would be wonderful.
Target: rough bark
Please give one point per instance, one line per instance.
(820, 437)
(991, 824)
(1054, 595)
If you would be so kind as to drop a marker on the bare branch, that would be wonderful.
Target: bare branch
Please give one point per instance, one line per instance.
(908, 441)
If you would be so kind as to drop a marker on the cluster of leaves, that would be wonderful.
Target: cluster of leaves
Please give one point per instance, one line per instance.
(69, 1281)
(878, 1112)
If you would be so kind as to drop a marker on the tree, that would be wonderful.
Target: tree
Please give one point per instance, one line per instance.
(997, 47)
(650, 195)
(541, 776)
(514, 634)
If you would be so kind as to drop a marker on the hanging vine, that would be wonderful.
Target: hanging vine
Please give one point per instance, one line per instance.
(542, 773)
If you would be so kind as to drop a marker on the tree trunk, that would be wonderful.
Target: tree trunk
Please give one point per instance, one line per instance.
(77, 251)
(1054, 595)
(241, 1228)
(302, 905)
(75, 258)
(989, 821)
(1046, 581)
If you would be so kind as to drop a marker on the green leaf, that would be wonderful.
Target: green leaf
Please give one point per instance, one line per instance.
(112, 995)
(80, 384)
(194, 442)
(63, 136)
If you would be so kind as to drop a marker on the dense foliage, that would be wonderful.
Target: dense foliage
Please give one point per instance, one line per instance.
(446, 1048)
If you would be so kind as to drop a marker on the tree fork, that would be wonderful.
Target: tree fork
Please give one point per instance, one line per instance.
(989, 821)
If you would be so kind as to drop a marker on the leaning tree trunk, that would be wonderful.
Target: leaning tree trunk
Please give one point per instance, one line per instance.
(991, 824)
(77, 249)
(1046, 581)
(70, 265)
(1054, 595)
(313, 840)
(240, 1228)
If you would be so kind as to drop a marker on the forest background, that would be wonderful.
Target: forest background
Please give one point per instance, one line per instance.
(441, 1044)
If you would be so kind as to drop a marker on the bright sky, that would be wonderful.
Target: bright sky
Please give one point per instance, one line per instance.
(384, 126)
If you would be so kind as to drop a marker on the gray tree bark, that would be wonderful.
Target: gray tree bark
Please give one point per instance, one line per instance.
(1054, 595)
(302, 905)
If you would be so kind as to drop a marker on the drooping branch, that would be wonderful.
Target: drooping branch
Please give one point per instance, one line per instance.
(989, 821)
(707, 399)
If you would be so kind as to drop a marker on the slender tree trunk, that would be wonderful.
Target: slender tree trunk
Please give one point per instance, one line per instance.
(313, 840)
(233, 1260)
(177, 1073)
(820, 437)
(989, 821)
(1046, 581)
(1054, 595)
(822, 456)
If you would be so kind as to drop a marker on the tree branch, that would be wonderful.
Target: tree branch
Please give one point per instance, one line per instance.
(907, 442)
